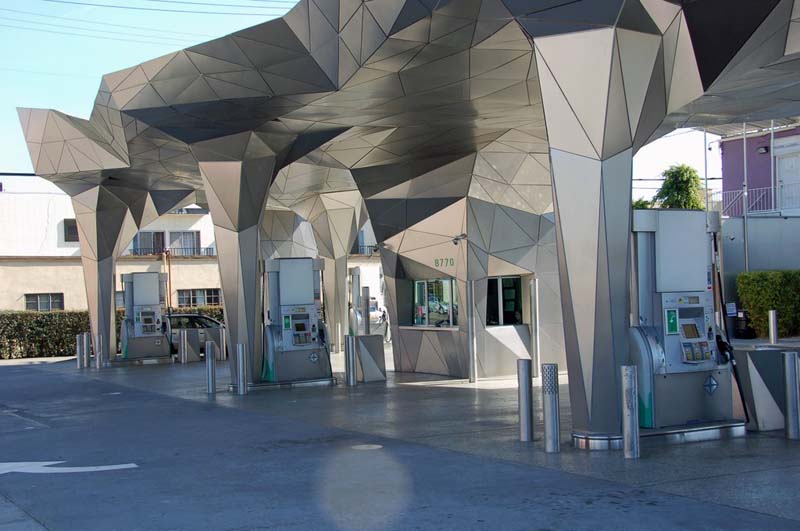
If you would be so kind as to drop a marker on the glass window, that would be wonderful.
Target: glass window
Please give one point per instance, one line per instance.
(186, 297)
(44, 302)
(433, 302)
(184, 243)
(183, 321)
(492, 307)
(438, 303)
(512, 301)
(212, 297)
(198, 297)
(119, 299)
(454, 312)
(70, 230)
(504, 301)
(420, 306)
(148, 242)
(205, 322)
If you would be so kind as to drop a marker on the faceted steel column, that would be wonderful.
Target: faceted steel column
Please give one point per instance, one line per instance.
(593, 216)
(105, 225)
(591, 129)
(335, 288)
(335, 219)
(237, 172)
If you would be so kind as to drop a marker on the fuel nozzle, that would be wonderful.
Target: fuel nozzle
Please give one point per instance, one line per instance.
(725, 350)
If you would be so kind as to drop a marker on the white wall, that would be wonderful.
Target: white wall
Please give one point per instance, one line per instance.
(65, 275)
(33, 224)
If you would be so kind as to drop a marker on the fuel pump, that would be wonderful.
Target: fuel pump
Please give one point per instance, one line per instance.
(684, 380)
(297, 345)
(142, 330)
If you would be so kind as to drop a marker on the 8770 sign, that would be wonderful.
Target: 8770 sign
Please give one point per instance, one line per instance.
(444, 262)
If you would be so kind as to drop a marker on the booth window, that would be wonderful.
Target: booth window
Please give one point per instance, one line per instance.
(70, 230)
(44, 302)
(504, 301)
(435, 302)
(198, 297)
(119, 300)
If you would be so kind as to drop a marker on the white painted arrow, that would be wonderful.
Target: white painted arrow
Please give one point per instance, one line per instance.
(44, 467)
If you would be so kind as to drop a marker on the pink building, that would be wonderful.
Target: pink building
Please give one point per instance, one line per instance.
(773, 170)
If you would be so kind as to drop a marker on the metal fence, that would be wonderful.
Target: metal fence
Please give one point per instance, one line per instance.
(174, 251)
(759, 200)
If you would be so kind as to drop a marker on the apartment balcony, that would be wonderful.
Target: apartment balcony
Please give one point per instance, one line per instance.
(174, 251)
(759, 201)
(364, 250)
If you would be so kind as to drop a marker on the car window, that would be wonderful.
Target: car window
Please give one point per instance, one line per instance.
(204, 322)
(181, 322)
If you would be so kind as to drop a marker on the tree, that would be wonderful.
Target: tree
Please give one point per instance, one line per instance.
(641, 204)
(681, 188)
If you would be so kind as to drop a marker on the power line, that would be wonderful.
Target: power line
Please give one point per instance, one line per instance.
(178, 40)
(134, 8)
(103, 23)
(39, 72)
(206, 4)
(42, 30)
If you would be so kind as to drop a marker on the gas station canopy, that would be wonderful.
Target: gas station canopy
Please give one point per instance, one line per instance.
(444, 117)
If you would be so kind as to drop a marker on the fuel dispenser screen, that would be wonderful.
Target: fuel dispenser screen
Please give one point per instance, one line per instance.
(690, 331)
(300, 327)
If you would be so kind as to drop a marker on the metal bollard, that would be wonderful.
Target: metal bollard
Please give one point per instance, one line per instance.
(223, 344)
(630, 412)
(550, 412)
(773, 327)
(472, 347)
(87, 349)
(183, 346)
(350, 361)
(211, 368)
(241, 370)
(79, 350)
(525, 399)
(791, 417)
(98, 352)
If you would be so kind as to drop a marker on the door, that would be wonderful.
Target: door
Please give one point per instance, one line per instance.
(789, 181)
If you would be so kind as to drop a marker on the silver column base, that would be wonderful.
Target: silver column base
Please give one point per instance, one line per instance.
(583, 441)
(272, 386)
(711, 431)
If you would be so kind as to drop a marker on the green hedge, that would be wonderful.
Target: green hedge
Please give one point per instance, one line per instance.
(47, 334)
(40, 334)
(761, 291)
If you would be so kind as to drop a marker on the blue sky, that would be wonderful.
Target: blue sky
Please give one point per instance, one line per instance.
(42, 66)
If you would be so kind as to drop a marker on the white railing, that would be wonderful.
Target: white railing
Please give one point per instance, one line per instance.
(759, 200)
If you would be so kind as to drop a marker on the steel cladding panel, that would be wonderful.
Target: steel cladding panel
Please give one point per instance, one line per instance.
(296, 281)
(680, 238)
(145, 289)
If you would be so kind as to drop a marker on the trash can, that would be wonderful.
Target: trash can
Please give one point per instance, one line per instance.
(742, 329)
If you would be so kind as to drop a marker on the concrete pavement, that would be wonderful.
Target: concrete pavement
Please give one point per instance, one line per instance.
(416, 453)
